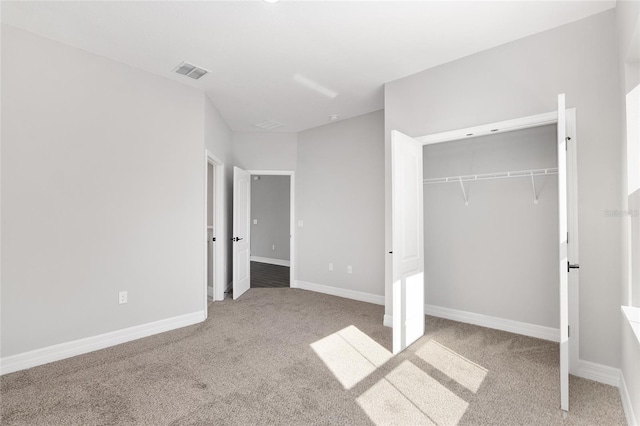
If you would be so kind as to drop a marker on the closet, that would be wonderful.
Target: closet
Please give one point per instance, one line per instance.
(491, 227)
(484, 230)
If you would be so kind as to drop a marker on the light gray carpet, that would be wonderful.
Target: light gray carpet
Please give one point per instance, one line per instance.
(257, 360)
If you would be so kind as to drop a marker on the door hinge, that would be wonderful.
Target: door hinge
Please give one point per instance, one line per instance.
(567, 238)
(568, 331)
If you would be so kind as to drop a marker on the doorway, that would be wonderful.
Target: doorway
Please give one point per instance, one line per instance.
(490, 229)
(270, 231)
(214, 233)
(276, 191)
(407, 204)
(565, 120)
(243, 225)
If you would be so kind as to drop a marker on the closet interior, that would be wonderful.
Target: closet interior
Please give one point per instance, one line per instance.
(491, 226)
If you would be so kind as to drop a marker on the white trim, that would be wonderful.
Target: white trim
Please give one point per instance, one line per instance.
(491, 128)
(292, 216)
(526, 329)
(279, 262)
(599, 373)
(626, 403)
(387, 320)
(631, 315)
(60, 351)
(341, 292)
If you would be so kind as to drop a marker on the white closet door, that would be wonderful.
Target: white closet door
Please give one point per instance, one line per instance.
(568, 231)
(241, 228)
(408, 251)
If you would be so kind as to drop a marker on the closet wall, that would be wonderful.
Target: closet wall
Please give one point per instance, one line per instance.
(498, 256)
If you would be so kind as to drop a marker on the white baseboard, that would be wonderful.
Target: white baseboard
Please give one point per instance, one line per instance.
(60, 351)
(341, 292)
(599, 373)
(387, 321)
(627, 406)
(532, 330)
(270, 261)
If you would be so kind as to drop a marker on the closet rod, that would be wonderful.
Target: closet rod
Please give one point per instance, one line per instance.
(487, 176)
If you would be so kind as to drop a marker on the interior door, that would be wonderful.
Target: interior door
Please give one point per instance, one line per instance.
(241, 238)
(568, 239)
(408, 240)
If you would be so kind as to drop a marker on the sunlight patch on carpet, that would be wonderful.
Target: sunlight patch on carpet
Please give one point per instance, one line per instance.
(350, 355)
(467, 373)
(386, 405)
(435, 400)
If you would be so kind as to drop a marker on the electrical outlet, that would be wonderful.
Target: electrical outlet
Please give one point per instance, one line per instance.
(122, 297)
(255, 221)
(300, 224)
(331, 267)
(273, 247)
(349, 269)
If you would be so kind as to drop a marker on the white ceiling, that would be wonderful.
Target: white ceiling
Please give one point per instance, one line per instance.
(295, 62)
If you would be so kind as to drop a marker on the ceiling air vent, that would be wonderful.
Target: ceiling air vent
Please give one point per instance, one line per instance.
(268, 125)
(190, 70)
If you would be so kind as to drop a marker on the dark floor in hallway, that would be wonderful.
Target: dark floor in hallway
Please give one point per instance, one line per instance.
(265, 275)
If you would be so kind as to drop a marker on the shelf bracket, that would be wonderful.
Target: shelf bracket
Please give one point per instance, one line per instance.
(464, 193)
(533, 186)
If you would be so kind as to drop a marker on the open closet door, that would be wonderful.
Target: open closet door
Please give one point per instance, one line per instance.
(241, 238)
(408, 251)
(568, 240)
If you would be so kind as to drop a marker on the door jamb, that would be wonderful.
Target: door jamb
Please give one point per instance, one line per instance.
(218, 227)
(572, 193)
(292, 217)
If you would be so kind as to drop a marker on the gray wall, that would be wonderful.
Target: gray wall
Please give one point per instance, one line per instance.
(270, 206)
(340, 200)
(102, 191)
(498, 256)
(265, 151)
(523, 78)
(628, 21)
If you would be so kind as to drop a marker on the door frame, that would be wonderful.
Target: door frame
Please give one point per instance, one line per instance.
(572, 194)
(218, 227)
(292, 216)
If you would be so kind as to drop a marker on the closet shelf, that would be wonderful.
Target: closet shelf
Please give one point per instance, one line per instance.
(488, 176)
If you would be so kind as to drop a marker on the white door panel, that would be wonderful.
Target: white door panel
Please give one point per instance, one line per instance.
(563, 230)
(241, 234)
(408, 250)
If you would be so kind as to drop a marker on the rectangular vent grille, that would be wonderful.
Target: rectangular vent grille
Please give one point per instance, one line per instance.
(268, 125)
(190, 70)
